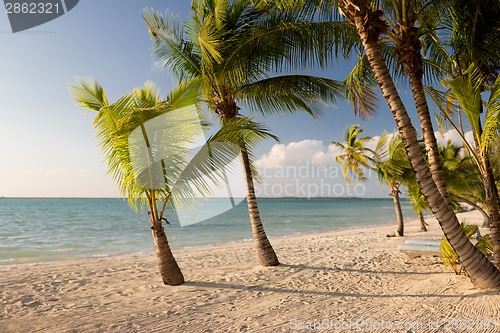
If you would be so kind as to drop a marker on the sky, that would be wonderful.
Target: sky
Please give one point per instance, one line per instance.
(47, 143)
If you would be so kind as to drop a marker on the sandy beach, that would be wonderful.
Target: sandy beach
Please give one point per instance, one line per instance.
(351, 280)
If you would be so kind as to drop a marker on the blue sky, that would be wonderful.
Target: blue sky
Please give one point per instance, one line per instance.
(47, 143)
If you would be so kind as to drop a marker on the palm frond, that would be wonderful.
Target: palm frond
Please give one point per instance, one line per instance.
(359, 84)
(468, 94)
(284, 44)
(170, 48)
(210, 40)
(89, 93)
(492, 119)
(187, 92)
(290, 93)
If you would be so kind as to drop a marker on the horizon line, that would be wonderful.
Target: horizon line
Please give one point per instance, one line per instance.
(269, 198)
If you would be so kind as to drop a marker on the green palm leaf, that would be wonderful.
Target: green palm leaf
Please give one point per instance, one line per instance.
(170, 48)
(492, 119)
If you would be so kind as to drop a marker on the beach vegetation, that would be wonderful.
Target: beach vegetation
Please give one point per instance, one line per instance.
(355, 155)
(393, 169)
(482, 242)
(388, 160)
(470, 65)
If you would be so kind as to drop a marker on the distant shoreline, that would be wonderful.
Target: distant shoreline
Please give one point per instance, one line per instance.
(259, 198)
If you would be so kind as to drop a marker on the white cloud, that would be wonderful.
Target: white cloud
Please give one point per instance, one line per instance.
(292, 154)
(308, 168)
(314, 152)
(442, 138)
(84, 171)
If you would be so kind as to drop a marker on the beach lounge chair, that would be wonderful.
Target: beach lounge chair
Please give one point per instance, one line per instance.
(417, 247)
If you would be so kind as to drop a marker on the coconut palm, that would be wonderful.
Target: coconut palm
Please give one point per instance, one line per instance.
(393, 169)
(472, 191)
(471, 61)
(462, 178)
(146, 142)
(232, 54)
(468, 94)
(388, 160)
(414, 25)
(461, 174)
(371, 25)
(355, 155)
(368, 20)
(414, 194)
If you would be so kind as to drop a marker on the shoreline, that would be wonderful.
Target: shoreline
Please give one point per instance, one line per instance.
(343, 276)
(5, 265)
(197, 247)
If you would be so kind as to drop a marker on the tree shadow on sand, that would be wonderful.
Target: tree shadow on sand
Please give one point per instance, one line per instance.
(261, 288)
(299, 268)
(352, 270)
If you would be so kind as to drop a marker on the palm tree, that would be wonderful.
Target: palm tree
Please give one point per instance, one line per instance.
(414, 22)
(414, 194)
(471, 191)
(460, 172)
(468, 94)
(393, 169)
(355, 155)
(232, 53)
(146, 142)
(462, 181)
(368, 20)
(411, 23)
(471, 63)
(387, 160)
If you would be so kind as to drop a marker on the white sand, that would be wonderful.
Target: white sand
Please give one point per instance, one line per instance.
(355, 279)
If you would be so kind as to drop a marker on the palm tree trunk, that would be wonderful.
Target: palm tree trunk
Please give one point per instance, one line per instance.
(423, 224)
(265, 251)
(431, 146)
(169, 270)
(491, 192)
(486, 217)
(481, 272)
(399, 213)
(491, 195)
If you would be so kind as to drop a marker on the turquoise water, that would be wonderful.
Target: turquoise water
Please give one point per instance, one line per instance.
(36, 230)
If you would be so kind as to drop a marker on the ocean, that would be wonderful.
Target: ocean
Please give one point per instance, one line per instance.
(40, 230)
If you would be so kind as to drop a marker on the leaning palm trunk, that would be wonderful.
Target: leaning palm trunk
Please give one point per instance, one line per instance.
(265, 252)
(399, 213)
(423, 224)
(430, 141)
(169, 270)
(410, 58)
(486, 217)
(481, 272)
